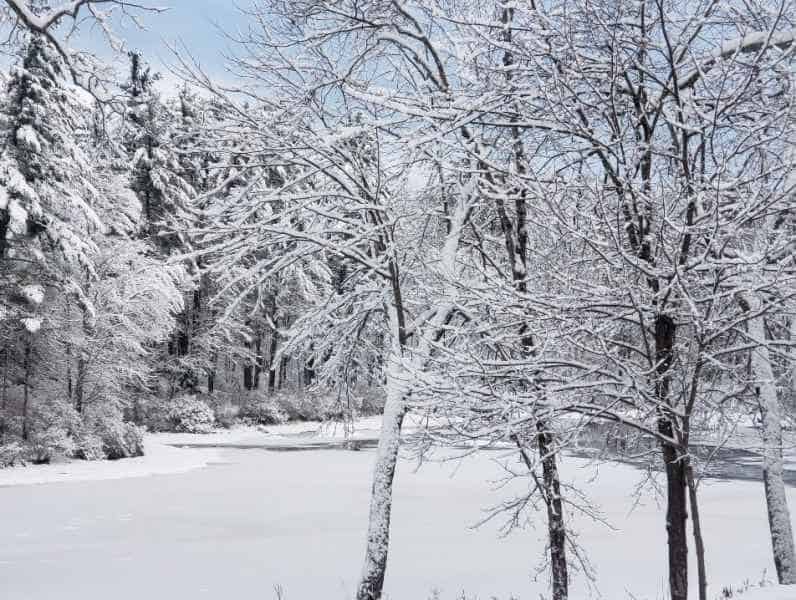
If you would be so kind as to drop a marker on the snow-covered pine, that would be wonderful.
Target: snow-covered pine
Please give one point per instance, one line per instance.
(157, 175)
(47, 214)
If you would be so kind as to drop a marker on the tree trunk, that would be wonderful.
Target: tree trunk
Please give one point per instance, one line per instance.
(26, 390)
(771, 413)
(792, 392)
(4, 394)
(271, 366)
(248, 380)
(258, 360)
(676, 515)
(696, 525)
(378, 540)
(282, 371)
(555, 512)
(674, 463)
(5, 219)
(79, 384)
(309, 372)
(69, 383)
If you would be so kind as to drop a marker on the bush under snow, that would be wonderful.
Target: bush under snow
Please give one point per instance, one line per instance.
(188, 414)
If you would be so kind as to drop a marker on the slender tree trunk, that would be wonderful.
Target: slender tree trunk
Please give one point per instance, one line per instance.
(372, 580)
(79, 384)
(5, 219)
(771, 413)
(674, 463)
(555, 511)
(26, 390)
(211, 373)
(258, 360)
(69, 382)
(792, 391)
(696, 525)
(4, 394)
(282, 371)
(247, 377)
(271, 366)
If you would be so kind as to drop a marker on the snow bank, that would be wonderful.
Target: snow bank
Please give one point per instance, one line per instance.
(298, 433)
(160, 459)
(163, 454)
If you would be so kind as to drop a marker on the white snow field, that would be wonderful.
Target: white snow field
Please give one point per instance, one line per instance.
(255, 519)
(784, 592)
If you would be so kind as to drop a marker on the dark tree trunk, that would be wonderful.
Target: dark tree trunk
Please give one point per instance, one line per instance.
(555, 512)
(211, 381)
(674, 463)
(309, 372)
(26, 391)
(696, 525)
(271, 366)
(282, 371)
(183, 339)
(4, 394)
(69, 382)
(247, 377)
(676, 516)
(5, 219)
(79, 384)
(258, 361)
(211, 374)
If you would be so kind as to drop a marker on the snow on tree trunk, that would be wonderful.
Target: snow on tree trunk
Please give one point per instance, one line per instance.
(378, 540)
(771, 412)
(398, 388)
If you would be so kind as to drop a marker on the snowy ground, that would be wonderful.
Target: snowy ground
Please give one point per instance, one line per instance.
(785, 592)
(255, 519)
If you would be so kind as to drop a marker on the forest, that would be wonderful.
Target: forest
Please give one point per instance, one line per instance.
(516, 224)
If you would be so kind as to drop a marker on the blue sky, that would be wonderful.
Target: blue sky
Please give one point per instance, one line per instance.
(195, 23)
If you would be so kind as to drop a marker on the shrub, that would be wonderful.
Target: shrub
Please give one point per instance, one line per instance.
(320, 406)
(89, 446)
(121, 440)
(12, 454)
(372, 403)
(226, 415)
(306, 406)
(50, 443)
(261, 410)
(188, 414)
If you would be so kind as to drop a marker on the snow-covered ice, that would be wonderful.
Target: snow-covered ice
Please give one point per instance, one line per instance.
(254, 519)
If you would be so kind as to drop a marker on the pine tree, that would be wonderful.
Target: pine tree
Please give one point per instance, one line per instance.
(156, 171)
(46, 194)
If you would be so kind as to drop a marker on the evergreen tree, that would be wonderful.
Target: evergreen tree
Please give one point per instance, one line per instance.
(156, 171)
(46, 193)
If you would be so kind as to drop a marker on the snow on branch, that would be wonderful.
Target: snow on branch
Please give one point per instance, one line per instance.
(752, 42)
(46, 22)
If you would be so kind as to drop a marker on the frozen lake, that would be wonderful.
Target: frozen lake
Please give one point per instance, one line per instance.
(257, 519)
